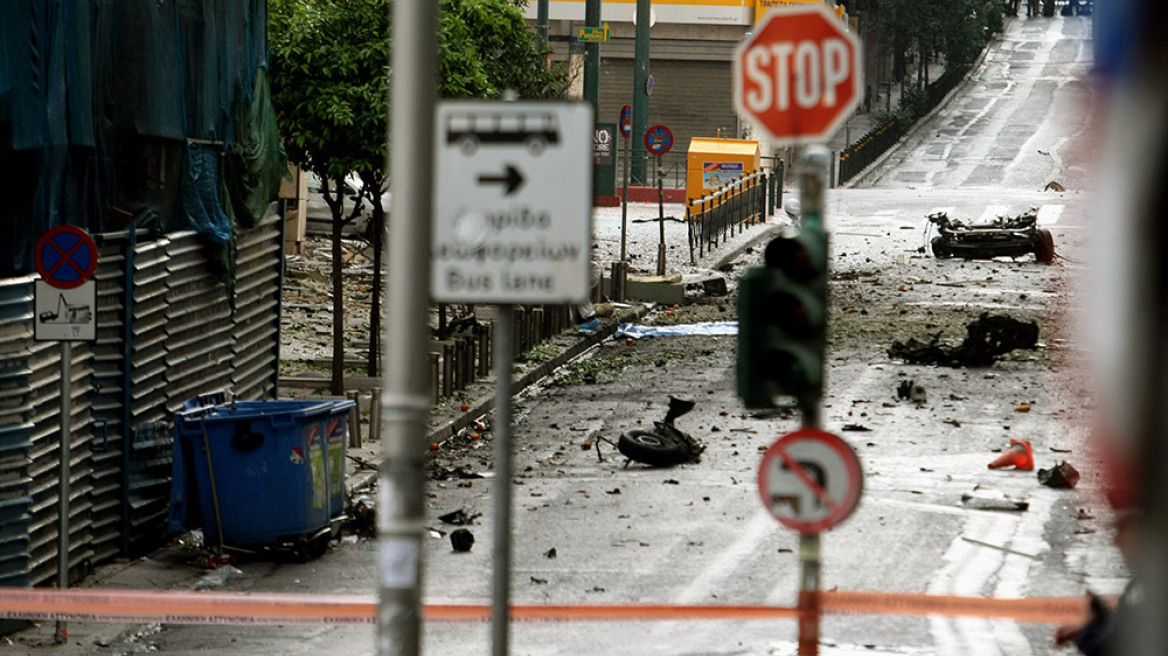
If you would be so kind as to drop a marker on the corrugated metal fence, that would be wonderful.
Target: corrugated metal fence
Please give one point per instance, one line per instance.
(174, 335)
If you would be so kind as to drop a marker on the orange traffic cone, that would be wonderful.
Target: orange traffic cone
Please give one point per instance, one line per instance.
(1018, 456)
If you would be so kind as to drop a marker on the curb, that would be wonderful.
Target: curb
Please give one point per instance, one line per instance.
(362, 480)
(528, 379)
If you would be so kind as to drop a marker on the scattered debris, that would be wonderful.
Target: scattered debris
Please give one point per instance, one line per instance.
(550, 553)
(999, 548)
(462, 540)
(986, 499)
(457, 473)
(1062, 476)
(989, 337)
(363, 517)
(909, 390)
(1053, 185)
(858, 428)
(1020, 456)
(218, 577)
(459, 517)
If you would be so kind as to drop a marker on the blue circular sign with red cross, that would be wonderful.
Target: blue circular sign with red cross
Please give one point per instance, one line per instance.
(658, 139)
(65, 256)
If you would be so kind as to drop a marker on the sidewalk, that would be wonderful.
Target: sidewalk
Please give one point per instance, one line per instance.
(182, 564)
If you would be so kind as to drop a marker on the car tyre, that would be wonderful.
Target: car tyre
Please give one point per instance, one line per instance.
(1044, 246)
(653, 448)
(940, 249)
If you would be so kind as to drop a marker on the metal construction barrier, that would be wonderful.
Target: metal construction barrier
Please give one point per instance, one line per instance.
(716, 216)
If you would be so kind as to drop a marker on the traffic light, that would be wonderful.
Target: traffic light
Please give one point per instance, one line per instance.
(782, 316)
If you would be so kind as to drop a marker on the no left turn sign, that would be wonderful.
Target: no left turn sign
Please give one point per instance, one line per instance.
(810, 480)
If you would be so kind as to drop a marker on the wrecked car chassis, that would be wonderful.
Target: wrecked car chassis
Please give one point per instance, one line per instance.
(1003, 237)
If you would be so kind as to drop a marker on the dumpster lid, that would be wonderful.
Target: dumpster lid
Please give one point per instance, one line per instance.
(723, 146)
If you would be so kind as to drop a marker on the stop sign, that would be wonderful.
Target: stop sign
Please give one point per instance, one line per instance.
(798, 76)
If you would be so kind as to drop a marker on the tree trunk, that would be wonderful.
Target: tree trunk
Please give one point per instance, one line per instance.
(338, 374)
(375, 306)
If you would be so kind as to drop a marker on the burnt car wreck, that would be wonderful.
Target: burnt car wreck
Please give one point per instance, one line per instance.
(1003, 237)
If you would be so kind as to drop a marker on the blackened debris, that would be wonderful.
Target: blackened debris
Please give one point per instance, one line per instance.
(989, 338)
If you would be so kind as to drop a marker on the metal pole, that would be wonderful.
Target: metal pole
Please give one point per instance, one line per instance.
(541, 24)
(660, 219)
(808, 594)
(62, 633)
(501, 428)
(640, 89)
(625, 200)
(592, 56)
(406, 394)
(812, 182)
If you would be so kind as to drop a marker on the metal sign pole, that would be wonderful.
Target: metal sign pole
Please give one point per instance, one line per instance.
(502, 355)
(660, 219)
(808, 594)
(811, 186)
(62, 634)
(625, 198)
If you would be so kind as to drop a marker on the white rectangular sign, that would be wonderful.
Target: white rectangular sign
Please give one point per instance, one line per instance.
(65, 314)
(512, 202)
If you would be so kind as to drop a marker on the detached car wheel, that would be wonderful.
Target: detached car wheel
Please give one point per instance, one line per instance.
(1044, 246)
(940, 248)
(653, 448)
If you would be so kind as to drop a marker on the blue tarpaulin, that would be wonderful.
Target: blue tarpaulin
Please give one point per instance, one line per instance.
(704, 328)
(89, 87)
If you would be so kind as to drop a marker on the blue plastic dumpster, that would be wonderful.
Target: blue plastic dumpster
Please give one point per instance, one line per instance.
(259, 473)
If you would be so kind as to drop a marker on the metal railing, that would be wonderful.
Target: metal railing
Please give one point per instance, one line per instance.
(715, 216)
(865, 150)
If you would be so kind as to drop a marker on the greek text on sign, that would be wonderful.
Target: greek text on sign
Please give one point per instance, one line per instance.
(810, 480)
(798, 77)
(512, 204)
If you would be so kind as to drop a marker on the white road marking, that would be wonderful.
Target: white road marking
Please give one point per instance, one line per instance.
(1049, 214)
(992, 212)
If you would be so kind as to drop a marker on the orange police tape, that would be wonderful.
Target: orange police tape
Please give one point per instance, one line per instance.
(182, 607)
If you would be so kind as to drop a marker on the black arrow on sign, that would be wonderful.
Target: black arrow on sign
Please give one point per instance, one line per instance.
(512, 179)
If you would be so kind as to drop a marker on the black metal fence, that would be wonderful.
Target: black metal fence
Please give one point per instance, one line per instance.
(716, 216)
(865, 150)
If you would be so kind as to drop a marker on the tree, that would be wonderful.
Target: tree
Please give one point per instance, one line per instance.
(330, 85)
(913, 32)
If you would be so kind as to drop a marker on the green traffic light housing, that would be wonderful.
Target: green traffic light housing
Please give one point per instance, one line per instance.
(782, 318)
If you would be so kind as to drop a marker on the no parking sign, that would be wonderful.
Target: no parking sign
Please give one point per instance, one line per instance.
(65, 296)
(810, 480)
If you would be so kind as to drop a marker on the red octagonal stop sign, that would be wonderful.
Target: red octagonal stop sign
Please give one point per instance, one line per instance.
(798, 77)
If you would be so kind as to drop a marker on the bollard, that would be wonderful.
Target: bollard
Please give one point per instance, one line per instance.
(375, 415)
(619, 275)
(355, 421)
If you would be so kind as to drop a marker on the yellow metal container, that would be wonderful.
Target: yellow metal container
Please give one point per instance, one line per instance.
(714, 163)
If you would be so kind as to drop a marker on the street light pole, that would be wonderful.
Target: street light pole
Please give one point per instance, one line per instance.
(405, 398)
(641, 92)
